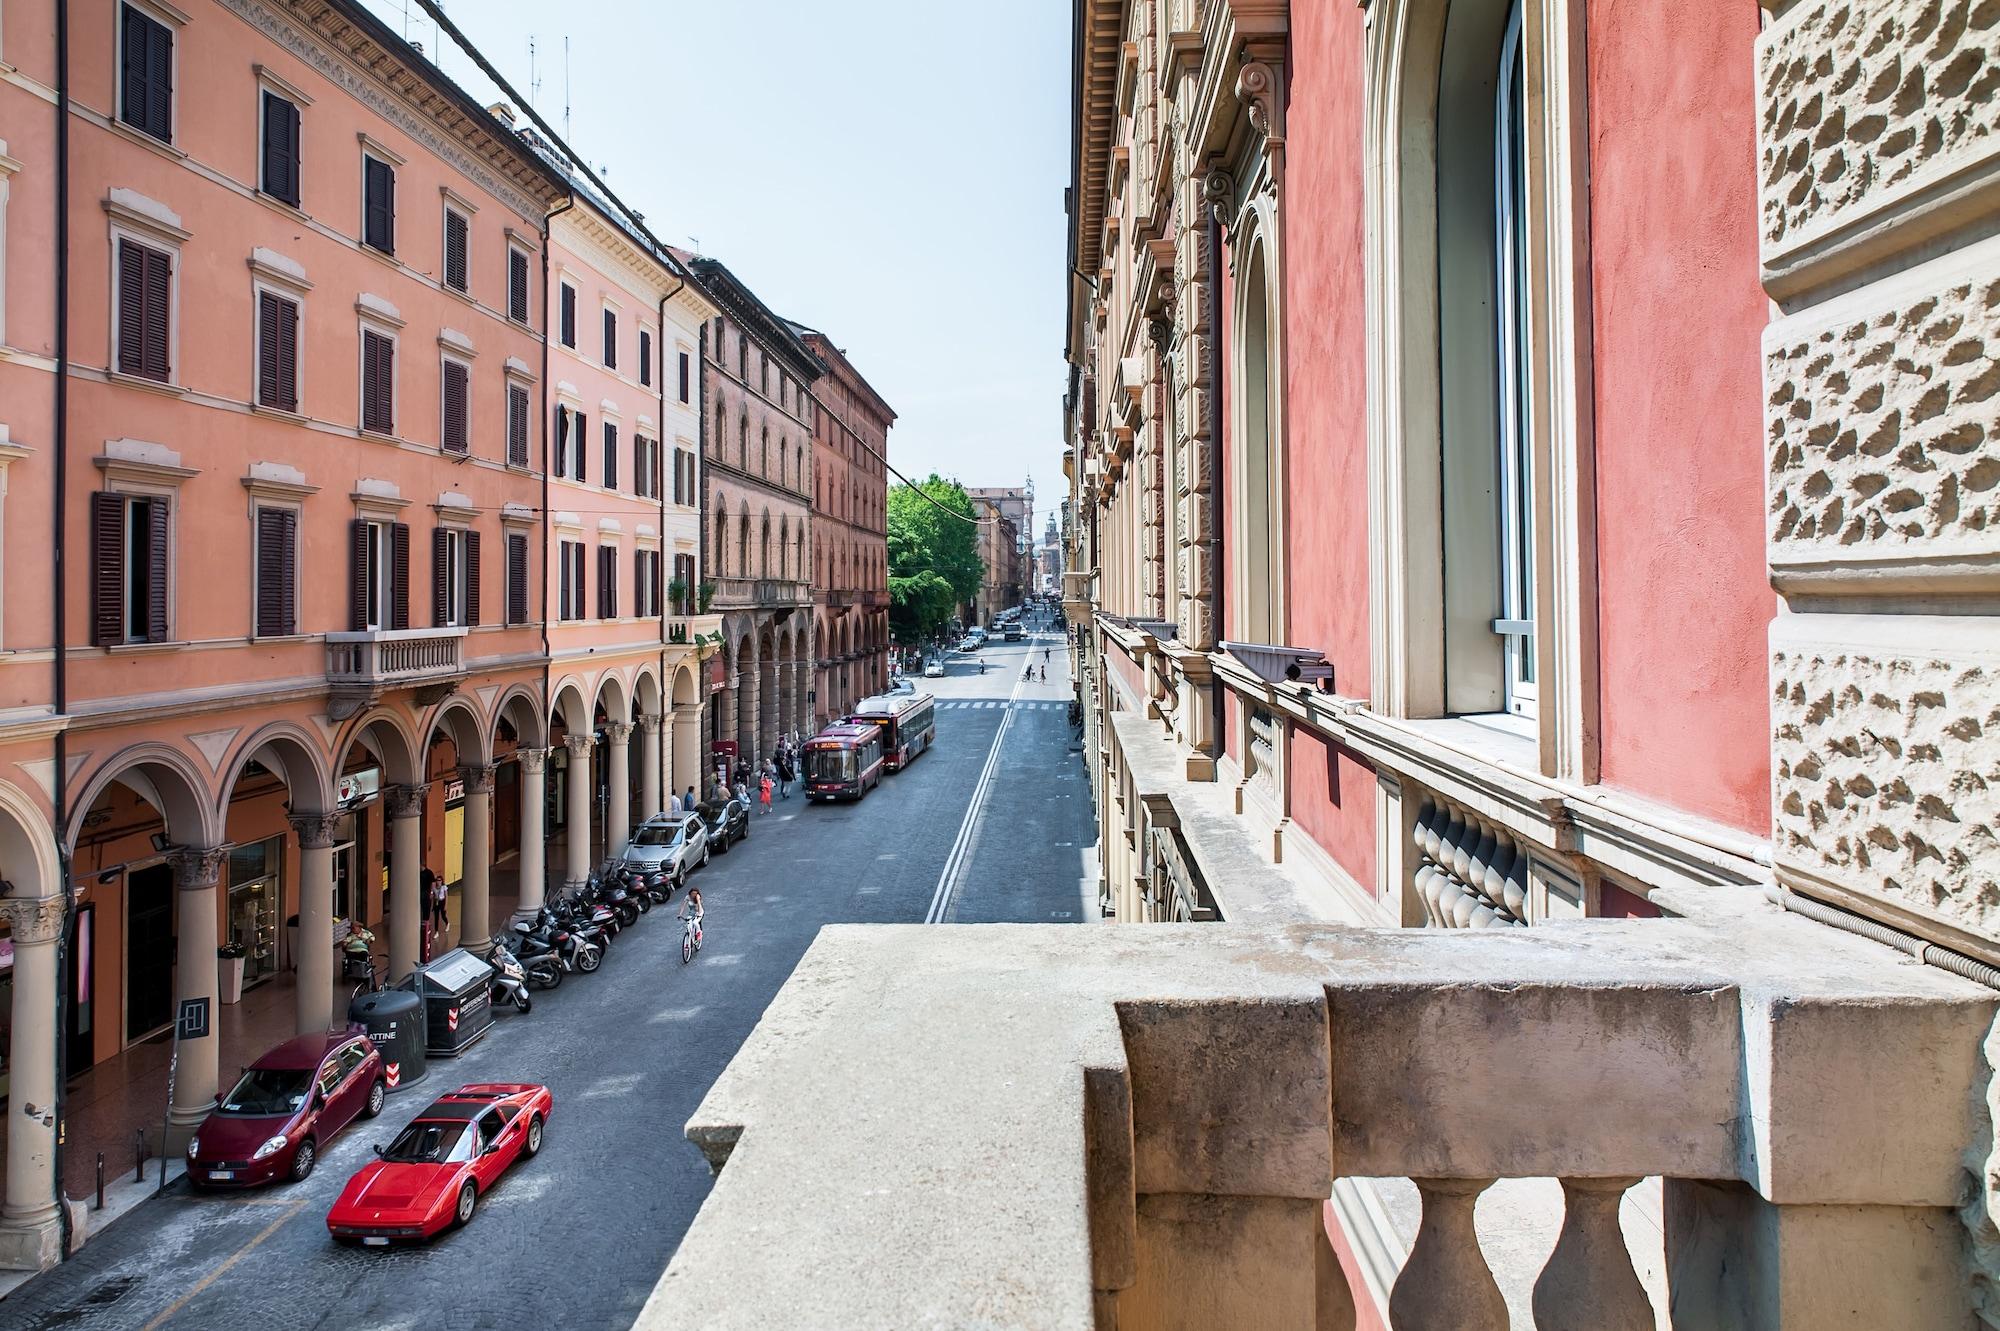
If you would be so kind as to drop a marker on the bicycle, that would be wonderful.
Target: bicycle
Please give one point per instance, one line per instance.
(690, 938)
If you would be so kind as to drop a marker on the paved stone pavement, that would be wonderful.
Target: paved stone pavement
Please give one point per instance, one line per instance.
(577, 1237)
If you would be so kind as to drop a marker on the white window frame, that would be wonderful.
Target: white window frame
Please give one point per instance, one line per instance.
(8, 166)
(371, 148)
(456, 580)
(563, 283)
(267, 278)
(465, 208)
(463, 360)
(176, 21)
(372, 319)
(144, 222)
(1516, 621)
(268, 82)
(257, 502)
(607, 356)
(518, 383)
(514, 247)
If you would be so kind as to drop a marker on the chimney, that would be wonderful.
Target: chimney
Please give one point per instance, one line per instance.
(503, 113)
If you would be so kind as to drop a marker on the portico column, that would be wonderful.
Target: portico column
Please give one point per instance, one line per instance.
(747, 717)
(533, 859)
(617, 788)
(314, 994)
(576, 871)
(406, 862)
(788, 706)
(195, 875)
(475, 921)
(687, 748)
(649, 765)
(30, 1225)
(801, 686)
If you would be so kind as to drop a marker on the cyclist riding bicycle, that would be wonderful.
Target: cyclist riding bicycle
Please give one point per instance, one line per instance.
(691, 914)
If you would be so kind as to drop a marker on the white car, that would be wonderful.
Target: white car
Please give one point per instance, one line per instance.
(933, 669)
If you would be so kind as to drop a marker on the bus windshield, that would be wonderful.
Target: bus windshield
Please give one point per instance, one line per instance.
(830, 764)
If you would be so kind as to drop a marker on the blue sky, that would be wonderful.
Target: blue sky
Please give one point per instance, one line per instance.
(888, 171)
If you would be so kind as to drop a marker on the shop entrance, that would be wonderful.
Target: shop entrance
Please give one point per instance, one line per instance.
(149, 951)
(254, 889)
(82, 1007)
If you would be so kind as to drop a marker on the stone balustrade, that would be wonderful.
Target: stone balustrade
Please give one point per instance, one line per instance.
(360, 667)
(1049, 1127)
(1470, 874)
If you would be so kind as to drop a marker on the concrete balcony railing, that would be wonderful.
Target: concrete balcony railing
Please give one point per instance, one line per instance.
(1078, 590)
(361, 667)
(694, 629)
(837, 598)
(1148, 1134)
(761, 593)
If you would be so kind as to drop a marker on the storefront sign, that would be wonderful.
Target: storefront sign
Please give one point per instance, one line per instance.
(454, 789)
(718, 674)
(358, 786)
(193, 1023)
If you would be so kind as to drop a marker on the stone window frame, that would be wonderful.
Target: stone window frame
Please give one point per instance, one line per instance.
(455, 348)
(143, 221)
(277, 486)
(175, 21)
(146, 470)
(452, 202)
(375, 315)
(274, 274)
(9, 166)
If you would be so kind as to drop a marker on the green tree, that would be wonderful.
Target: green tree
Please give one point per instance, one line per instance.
(934, 563)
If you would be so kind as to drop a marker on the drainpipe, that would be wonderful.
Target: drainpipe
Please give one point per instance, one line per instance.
(61, 614)
(1215, 491)
(666, 695)
(548, 525)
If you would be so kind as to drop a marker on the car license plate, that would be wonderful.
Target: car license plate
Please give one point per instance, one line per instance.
(374, 1241)
(221, 1173)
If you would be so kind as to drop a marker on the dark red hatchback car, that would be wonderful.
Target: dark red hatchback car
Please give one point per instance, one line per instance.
(274, 1122)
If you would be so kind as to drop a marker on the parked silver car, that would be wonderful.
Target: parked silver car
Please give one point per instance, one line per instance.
(675, 844)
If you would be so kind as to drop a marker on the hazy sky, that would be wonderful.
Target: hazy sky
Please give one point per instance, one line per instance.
(888, 171)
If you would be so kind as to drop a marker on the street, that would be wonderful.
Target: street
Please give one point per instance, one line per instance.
(974, 831)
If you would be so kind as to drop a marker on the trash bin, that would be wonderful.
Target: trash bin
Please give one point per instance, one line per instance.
(394, 1020)
(457, 990)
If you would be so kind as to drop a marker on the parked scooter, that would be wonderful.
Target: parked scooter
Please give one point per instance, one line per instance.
(579, 941)
(510, 979)
(536, 953)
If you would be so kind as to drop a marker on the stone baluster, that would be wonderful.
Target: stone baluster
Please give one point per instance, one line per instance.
(1446, 1282)
(1589, 1283)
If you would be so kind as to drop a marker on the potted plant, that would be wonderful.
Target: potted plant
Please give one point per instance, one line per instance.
(677, 591)
(707, 595)
(229, 970)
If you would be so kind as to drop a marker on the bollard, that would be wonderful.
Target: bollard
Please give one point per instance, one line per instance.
(139, 1156)
(100, 1180)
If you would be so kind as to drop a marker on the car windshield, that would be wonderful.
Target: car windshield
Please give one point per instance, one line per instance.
(431, 1142)
(267, 1091)
(658, 834)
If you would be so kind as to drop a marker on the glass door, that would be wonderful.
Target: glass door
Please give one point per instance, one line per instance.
(253, 906)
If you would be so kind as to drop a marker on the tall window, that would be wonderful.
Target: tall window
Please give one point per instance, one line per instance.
(517, 424)
(610, 455)
(146, 74)
(457, 263)
(607, 582)
(645, 357)
(378, 213)
(685, 374)
(278, 174)
(277, 572)
(570, 554)
(611, 339)
(454, 577)
(145, 289)
(130, 568)
(378, 382)
(1516, 622)
(379, 575)
(645, 583)
(456, 427)
(517, 285)
(517, 578)
(570, 428)
(277, 352)
(566, 322)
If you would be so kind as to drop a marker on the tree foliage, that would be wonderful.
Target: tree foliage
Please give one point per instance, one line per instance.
(934, 564)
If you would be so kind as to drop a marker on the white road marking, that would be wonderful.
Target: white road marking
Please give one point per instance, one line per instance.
(954, 863)
(623, 1084)
(725, 958)
(674, 1014)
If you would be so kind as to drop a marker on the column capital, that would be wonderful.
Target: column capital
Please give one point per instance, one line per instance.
(650, 722)
(315, 830)
(687, 709)
(618, 731)
(532, 760)
(579, 746)
(406, 801)
(197, 868)
(478, 780)
(33, 919)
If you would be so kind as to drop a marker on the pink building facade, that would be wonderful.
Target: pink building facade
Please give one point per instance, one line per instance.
(850, 516)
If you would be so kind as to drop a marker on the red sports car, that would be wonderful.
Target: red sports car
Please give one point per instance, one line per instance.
(431, 1177)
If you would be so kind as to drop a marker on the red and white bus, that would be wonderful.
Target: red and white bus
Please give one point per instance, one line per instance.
(908, 722)
(843, 760)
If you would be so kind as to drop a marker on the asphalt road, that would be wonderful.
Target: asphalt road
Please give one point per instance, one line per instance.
(973, 831)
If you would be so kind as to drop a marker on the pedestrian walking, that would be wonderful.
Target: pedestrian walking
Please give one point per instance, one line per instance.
(764, 791)
(1045, 674)
(690, 799)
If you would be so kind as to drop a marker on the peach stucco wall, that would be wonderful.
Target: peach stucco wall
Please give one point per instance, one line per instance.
(1326, 456)
(1682, 597)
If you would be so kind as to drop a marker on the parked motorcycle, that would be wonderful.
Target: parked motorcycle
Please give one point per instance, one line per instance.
(536, 953)
(579, 941)
(510, 980)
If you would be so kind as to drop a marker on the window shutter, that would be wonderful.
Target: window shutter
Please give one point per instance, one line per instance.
(160, 82)
(684, 376)
(455, 440)
(147, 71)
(562, 583)
(156, 571)
(639, 583)
(379, 219)
(578, 433)
(281, 149)
(131, 307)
(562, 441)
(610, 340)
(517, 285)
(455, 275)
(610, 456)
(517, 578)
(288, 354)
(277, 354)
(288, 619)
(357, 574)
(107, 568)
(471, 577)
(378, 391)
(645, 357)
(639, 472)
(569, 316)
(440, 583)
(658, 585)
(277, 565)
(517, 426)
(399, 562)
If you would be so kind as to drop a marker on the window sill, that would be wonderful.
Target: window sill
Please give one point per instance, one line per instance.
(145, 140)
(382, 256)
(144, 648)
(168, 389)
(281, 413)
(1497, 738)
(382, 436)
(280, 639)
(285, 206)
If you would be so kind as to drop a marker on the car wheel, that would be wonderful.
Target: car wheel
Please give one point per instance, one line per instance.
(534, 1144)
(303, 1160)
(377, 1095)
(468, 1202)
(704, 855)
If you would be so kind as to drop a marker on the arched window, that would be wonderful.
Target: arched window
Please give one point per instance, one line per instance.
(1516, 621)
(721, 430)
(764, 548)
(784, 547)
(743, 441)
(721, 540)
(764, 453)
(743, 544)
(1260, 613)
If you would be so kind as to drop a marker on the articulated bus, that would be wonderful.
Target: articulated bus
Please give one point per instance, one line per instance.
(843, 760)
(908, 722)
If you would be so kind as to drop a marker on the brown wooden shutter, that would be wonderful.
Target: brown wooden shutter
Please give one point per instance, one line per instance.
(610, 456)
(107, 568)
(270, 578)
(281, 149)
(472, 577)
(579, 437)
(568, 316)
(399, 560)
(517, 285)
(277, 352)
(645, 357)
(454, 251)
(357, 574)
(147, 73)
(517, 578)
(289, 620)
(131, 308)
(517, 426)
(378, 383)
(156, 569)
(562, 441)
(610, 340)
(379, 229)
(440, 582)
(639, 583)
(455, 439)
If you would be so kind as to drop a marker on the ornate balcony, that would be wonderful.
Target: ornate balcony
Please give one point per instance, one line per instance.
(761, 594)
(1077, 592)
(361, 667)
(836, 598)
(1154, 1137)
(694, 630)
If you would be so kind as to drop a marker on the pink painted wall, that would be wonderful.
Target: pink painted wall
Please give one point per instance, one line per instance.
(1682, 597)
(1326, 446)
(1333, 799)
